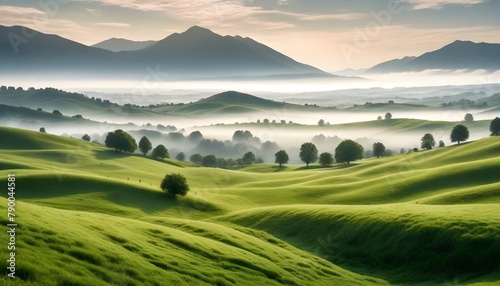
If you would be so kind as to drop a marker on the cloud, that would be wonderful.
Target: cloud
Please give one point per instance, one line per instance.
(229, 13)
(438, 4)
(121, 25)
(12, 10)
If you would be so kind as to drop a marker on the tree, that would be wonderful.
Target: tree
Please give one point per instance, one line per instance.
(308, 153)
(78, 116)
(378, 149)
(468, 117)
(175, 185)
(248, 158)
(441, 143)
(379, 117)
(180, 156)
(427, 142)
(42, 129)
(321, 122)
(160, 151)
(195, 137)
(459, 133)
(121, 141)
(57, 112)
(196, 159)
(325, 159)
(495, 127)
(388, 116)
(348, 151)
(209, 161)
(281, 157)
(145, 145)
(86, 137)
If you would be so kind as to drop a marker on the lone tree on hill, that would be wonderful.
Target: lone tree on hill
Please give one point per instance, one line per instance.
(378, 149)
(308, 153)
(427, 142)
(348, 151)
(281, 157)
(175, 185)
(459, 134)
(321, 122)
(325, 159)
(121, 141)
(248, 158)
(42, 129)
(86, 137)
(160, 151)
(57, 112)
(441, 143)
(388, 116)
(145, 145)
(468, 117)
(196, 159)
(495, 127)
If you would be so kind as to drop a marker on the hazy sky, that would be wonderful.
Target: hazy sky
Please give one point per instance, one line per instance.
(328, 34)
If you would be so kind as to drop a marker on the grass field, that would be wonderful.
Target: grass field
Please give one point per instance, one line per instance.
(91, 216)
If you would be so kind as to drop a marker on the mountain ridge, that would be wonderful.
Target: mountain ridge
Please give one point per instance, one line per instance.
(195, 53)
(458, 55)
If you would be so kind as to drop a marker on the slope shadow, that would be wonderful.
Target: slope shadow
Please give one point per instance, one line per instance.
(46, 187)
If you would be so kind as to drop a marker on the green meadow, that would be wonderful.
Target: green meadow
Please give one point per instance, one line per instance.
(88, 215)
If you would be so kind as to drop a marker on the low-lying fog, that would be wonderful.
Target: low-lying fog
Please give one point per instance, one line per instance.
(292, 128)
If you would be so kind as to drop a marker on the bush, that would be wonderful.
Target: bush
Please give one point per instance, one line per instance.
(175, 184)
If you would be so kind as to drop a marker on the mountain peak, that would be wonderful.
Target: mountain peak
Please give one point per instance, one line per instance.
(198, 30)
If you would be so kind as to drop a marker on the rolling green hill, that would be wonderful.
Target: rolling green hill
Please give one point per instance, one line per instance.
(68, 103)
(92, 215)
(231, 102)
(385, 107)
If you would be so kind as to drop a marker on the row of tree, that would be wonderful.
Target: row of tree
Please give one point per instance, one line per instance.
(346, 152)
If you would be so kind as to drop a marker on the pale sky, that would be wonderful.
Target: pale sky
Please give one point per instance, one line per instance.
(329, 34)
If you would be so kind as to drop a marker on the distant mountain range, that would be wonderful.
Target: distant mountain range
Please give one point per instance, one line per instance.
(459, 55)
(197, 53)
(120, 45)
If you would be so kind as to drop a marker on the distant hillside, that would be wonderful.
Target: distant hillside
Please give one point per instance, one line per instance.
(387, 107)
(230, 102)
(120, 45)
(455, 56)
(69, 103)
(23, 115)
(197, 53)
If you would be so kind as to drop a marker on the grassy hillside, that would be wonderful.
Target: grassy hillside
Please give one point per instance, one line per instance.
(422, 218)
(385, 107)
(231, 102)
(68, 103)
